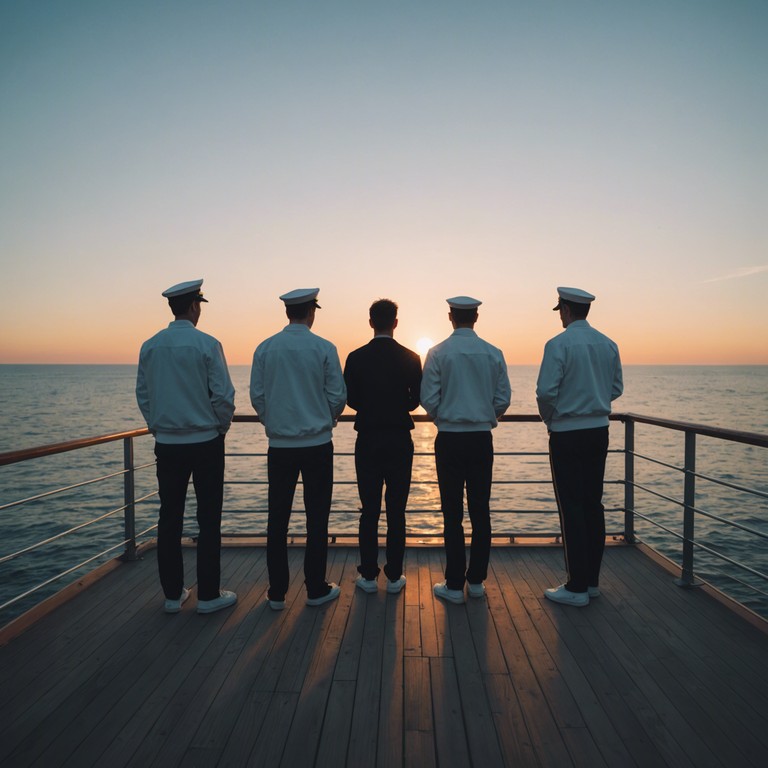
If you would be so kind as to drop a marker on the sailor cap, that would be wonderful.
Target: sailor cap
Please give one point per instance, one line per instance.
(576, 295)
(301, 296)
(463, 302)
(182, 289)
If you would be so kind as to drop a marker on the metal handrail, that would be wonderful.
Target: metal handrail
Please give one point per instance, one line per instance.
(12, 457)
(631, 458)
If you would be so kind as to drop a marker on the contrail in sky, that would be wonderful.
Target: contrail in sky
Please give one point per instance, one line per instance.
(741, 272)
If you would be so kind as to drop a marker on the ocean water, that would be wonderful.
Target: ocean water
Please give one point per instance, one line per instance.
(44, 404)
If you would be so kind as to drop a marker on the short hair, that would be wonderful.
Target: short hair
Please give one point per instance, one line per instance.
(578, 310)
(180, 304)
(299, 311)
(383, 314)
(464, 316)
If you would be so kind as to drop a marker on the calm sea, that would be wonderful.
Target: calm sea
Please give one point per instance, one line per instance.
(44, 404)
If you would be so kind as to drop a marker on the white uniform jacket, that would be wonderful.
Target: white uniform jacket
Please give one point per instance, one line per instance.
(465, 386)
(297, 387)
(183, 386)
(580, 376)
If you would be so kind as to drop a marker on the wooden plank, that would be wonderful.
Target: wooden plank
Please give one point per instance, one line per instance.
(412, 620)
(306, 730)
(411, 571)
(450, 736)
(352, 641)
(332, 750)
(430, 645)
(419, 750)
(528, 615)
(552, 622)
(390, 738)
(437, 606)
(419, 737)
(269, 746)
(478, 720)
(485, 638)
(510, 619)
(296, 622)
(413, 604)
(417, 713)
(365, 718)
(584, 752)
(515, 742)
(246, 731)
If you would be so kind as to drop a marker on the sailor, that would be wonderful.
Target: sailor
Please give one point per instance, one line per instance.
(579, 378)
(465, 388)
(298, 391)
(186, 396)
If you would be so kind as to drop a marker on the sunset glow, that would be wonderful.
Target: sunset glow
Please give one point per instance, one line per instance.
(423, 345)
(496, 150)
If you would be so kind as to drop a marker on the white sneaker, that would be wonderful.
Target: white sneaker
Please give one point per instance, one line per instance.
(476, 590)
(566, 597)
(333, 593)
(451, 595)
(276, 605)
(593, 592)
(224, 600)
(174, 606)
(367, 585)
(394, 587)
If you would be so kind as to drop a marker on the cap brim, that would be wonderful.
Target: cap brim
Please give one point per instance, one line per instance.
(197, 297)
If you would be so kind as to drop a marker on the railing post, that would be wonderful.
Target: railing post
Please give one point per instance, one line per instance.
(629, 481)
(129, 497)
(689, 502)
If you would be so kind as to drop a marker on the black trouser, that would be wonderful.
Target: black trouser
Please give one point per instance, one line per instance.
(465, 459)
(283, 467)
(176, 462)
(383, 457)
(578, 467)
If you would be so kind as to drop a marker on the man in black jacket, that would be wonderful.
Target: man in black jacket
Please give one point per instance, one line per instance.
(383, 381)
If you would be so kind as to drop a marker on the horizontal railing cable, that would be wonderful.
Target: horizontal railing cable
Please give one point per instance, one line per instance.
(61, 575)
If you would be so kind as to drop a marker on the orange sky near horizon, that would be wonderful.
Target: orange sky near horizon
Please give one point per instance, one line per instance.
(116, 338)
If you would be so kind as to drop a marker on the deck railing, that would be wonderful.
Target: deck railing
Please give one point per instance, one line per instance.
(689, 504)
(689, 510)
(504, 517)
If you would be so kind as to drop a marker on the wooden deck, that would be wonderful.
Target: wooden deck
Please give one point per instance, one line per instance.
(648, 674)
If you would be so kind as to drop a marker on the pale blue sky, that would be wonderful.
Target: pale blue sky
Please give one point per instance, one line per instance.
(415, 150)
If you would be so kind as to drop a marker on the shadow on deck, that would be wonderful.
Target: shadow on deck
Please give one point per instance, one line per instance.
(648, 674)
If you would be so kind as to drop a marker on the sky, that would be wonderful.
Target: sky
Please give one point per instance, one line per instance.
(410, 150)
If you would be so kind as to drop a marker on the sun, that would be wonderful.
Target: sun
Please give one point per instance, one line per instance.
(423, 345)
